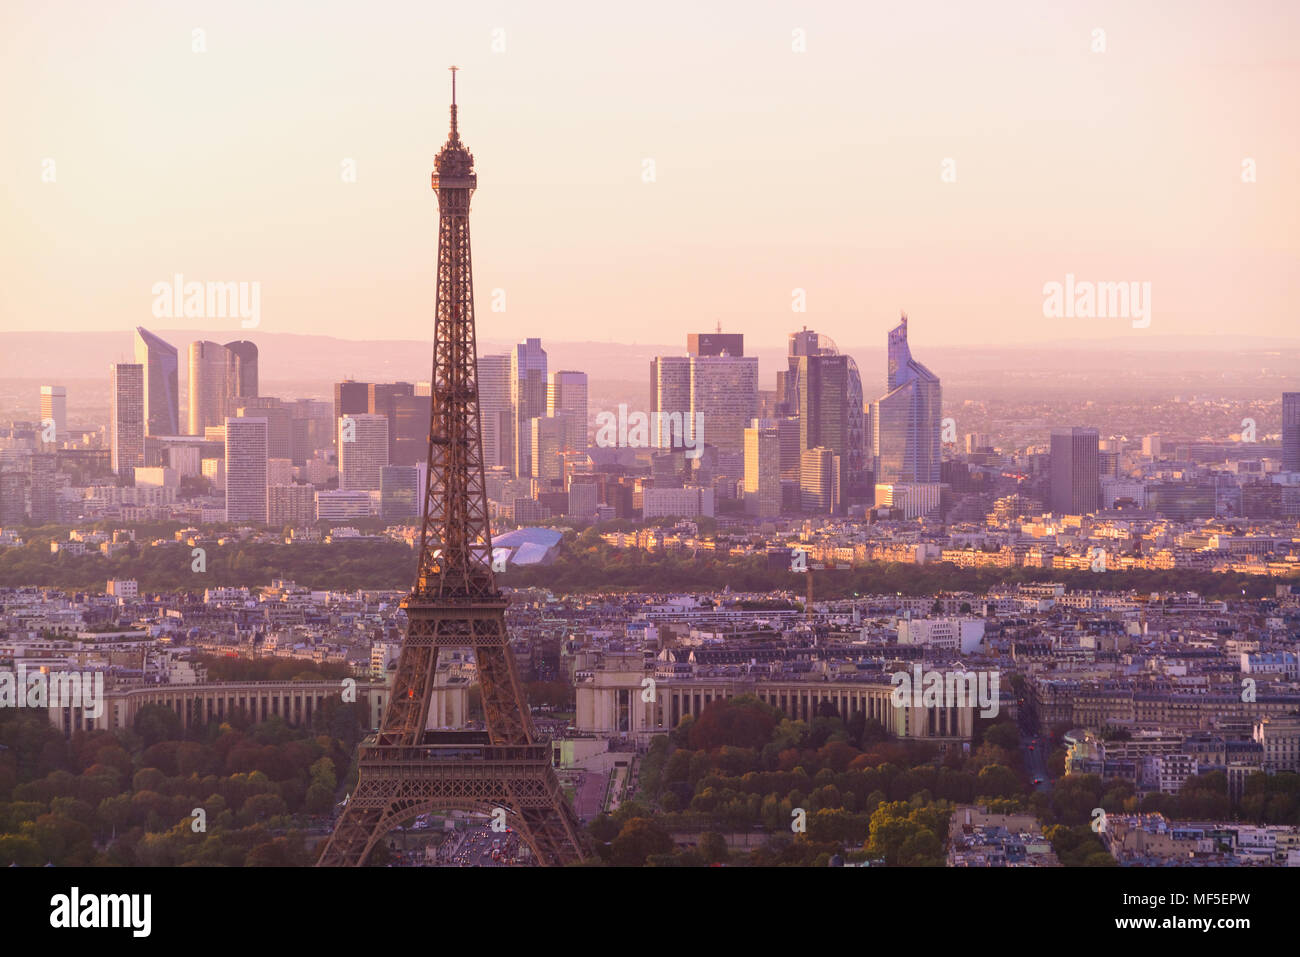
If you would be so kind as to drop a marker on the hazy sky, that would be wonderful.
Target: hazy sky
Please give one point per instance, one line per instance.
(774, 169)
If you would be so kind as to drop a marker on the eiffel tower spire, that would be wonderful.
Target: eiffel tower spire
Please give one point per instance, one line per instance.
(406, 770)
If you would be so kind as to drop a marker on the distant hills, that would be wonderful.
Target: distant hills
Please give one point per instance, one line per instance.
(1180, 363)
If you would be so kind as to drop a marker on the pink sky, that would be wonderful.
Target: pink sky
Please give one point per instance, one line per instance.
(774, 169)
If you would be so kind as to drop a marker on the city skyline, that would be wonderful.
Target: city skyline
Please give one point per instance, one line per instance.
(516, 609)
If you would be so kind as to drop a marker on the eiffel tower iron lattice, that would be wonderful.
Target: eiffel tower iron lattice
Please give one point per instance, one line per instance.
(408, 771)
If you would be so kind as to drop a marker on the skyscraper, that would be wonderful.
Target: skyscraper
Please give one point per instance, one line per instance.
(222, 378)
(44, 490)
(1291, 431)
(762, 471)
(715, 344)
(547, 436)
(905, 421)
(54, 408)
(161, 389)
(207, 385)
(241, 372)
(670, 400)
(527, 397)
(824, 389)
(724, 400)
(126, 417)
(382, 399)
(363, 451)
(496, 411)
(351, 398)
(408, 437)
(1076, 483)
(279, 422)
(566, 398)
(246, 469)
(399, 492)
(819, 481)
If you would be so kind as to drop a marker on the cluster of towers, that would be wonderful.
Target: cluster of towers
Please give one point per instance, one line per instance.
(144, 395)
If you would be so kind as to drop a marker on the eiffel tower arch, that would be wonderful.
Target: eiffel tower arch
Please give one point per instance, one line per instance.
(405, 770)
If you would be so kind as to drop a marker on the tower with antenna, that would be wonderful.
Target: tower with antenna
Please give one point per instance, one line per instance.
(407, 770)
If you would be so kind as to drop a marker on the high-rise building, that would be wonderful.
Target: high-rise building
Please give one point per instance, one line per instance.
(905, 421)
(382, 398)
(279, 422)
(1291, 431)
(1076, 480)
(126, 422)
(351, 398)
(788, 431)
(527, 397)
(241, 372)
(290, 504)
(409, 430)
(44, 490)
(399, 492)
(715, 344)
(762, 472)
(207, 385)
(54, 409)
(566, 399)
(819, 481)
(548, 435)
(824, 390)
(363, 451)
(670, 401)
(161, 388)
(222, 378)
(724, 400)
(246, 469)
(496, 416)
(584, 500)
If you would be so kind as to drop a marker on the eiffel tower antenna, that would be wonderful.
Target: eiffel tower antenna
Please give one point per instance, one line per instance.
(406, 770)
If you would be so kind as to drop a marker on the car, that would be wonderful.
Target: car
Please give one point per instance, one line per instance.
(1038, 780)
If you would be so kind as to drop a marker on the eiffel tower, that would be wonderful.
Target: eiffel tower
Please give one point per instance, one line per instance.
(405, 770)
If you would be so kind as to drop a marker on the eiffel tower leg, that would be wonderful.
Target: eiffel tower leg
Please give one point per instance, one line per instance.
(508, 718)
(354, 835)
(553, 833)
(408, 708)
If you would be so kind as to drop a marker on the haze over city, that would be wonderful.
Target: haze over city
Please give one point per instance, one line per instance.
(945, 158)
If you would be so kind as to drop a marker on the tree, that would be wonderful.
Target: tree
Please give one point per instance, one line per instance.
(639, 838)
(713, 848)
(20, 850)
(156, 722)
